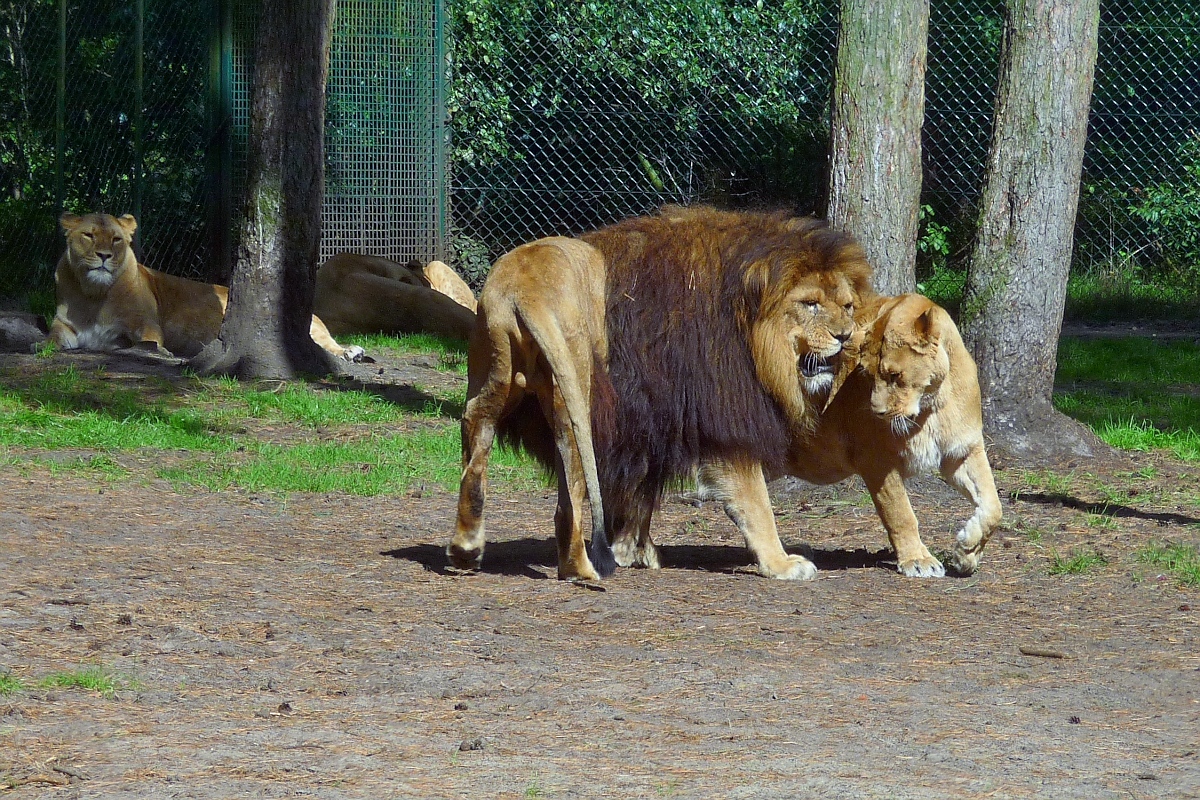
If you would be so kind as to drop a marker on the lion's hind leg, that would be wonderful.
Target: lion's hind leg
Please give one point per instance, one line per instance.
(972, 477)
(480, 417)
(573, 561)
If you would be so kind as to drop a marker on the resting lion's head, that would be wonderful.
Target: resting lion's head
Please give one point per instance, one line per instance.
(907, 363)
(99, 247)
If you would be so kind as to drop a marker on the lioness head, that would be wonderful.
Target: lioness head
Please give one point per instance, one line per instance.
(98, 247)
(907, 364)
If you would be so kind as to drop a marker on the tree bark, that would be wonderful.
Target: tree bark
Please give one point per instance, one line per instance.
(875, 148)
(266, 329)
(1016, 289)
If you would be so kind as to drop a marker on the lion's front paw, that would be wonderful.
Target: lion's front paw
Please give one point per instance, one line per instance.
(792, 568)
(964, 562)
(928, 567)
(354, 353)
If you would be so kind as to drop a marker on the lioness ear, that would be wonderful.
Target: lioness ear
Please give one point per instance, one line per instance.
(127, 222)
(69, 221)
(926, 326)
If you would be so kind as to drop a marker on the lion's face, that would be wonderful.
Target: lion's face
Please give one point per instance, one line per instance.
(907, 363)
(98, 247)
(820, 317)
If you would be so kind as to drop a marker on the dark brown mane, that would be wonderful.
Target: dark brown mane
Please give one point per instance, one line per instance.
(684, 289)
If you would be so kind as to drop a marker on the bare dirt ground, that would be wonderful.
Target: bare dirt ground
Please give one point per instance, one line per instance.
(316, 646)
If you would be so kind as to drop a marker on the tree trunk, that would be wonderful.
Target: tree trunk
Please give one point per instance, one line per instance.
(1012, 310)
(266, 329)
(878, 110)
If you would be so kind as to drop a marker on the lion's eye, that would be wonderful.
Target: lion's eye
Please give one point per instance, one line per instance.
(849, 308)
(813, 306)
(88, 236)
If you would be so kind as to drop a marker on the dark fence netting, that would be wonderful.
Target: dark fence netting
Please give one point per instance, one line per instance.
(459, 131)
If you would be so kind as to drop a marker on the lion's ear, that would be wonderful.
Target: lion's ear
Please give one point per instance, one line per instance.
(69, 221)
(926, 326)
(127, 222)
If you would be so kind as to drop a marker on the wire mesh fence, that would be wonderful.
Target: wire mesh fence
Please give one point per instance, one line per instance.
(559, 117)
(571, 115)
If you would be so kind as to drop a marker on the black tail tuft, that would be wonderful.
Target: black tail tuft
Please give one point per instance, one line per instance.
(601, 554)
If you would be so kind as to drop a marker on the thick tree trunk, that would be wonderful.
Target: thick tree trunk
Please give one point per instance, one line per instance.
(878, 110)
(1012, 311)
(266, 328)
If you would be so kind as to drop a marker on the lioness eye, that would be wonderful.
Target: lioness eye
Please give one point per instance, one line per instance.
(849, 307)
(88, 236)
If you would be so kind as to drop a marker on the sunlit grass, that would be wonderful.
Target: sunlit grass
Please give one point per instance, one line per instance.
(451, 353)
(1078, 562)
(10, 684)
(92, 679)
(1136, 393)
(1182, 561)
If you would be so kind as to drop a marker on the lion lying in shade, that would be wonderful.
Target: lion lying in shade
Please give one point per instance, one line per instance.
(358, 293)
(107, 300)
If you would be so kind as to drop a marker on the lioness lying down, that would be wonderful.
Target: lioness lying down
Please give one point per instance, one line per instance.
(358, 293)
(106, 299)
(912, 405)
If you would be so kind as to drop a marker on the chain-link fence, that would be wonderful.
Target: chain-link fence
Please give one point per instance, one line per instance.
(128, 106)
(570, 115)
(560, 116)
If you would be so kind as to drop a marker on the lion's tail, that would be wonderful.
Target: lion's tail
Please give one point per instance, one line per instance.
(579, 414)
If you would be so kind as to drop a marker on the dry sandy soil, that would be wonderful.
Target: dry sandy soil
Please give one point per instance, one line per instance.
(316, 646)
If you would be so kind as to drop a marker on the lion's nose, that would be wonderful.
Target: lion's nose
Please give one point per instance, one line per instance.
(842, 337)
(103, 256)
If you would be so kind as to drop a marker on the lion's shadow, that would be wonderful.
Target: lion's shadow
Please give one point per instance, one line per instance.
(536, 558)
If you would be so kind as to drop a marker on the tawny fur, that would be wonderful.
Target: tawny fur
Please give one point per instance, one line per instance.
(911, 406)
(725, 330)
(358, 293)
(106, 299)
(536, 348)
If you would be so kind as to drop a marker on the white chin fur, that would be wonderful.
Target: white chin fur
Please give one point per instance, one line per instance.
(100, 277)
(818, 383)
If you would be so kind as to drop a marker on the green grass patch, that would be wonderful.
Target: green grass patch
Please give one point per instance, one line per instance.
(1079, 562)
(211, 428)
(92, 679)
(383, 465)
(1136, 393)
(451, 353)
(1181, 561)
(10, 684)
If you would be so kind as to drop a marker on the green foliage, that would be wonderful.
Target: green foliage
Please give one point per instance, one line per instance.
(569, 115)
(934, 239)
(1171, 210)
(1180, 560)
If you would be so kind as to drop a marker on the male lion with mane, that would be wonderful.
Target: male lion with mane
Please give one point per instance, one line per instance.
(725, 331)
(535, 355)
(911, 405)
(106, 299)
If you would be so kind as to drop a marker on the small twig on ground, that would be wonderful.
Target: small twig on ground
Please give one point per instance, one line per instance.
(1041, 652)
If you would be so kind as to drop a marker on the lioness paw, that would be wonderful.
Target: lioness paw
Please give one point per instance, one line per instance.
(964, 562)
(922, 568)
(794, 568)
(354, 353)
